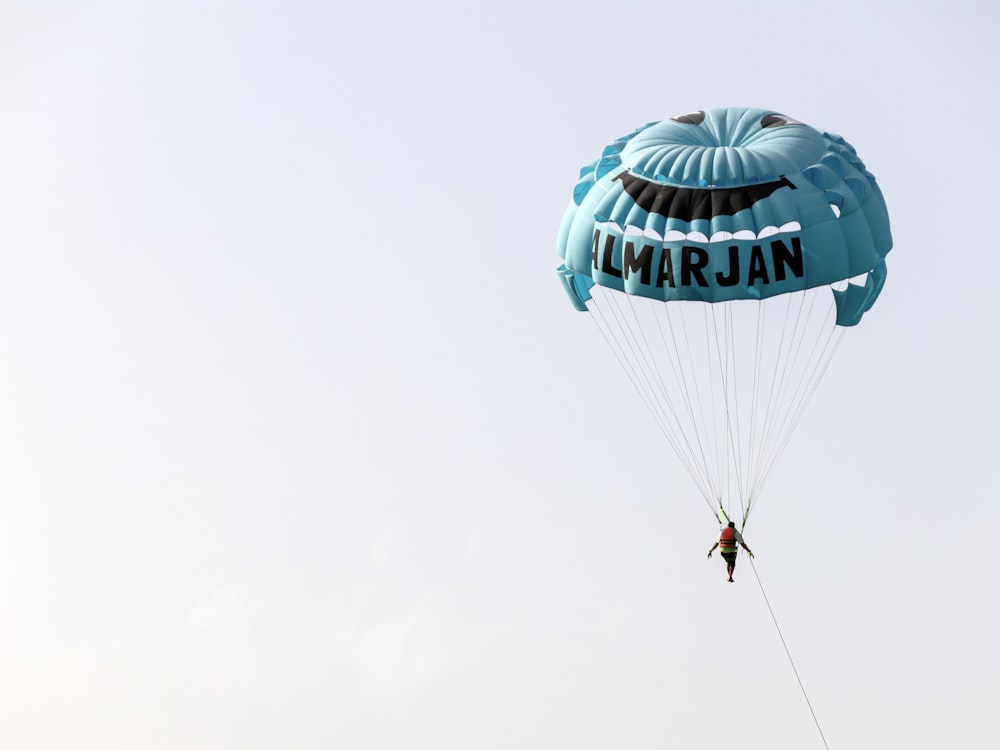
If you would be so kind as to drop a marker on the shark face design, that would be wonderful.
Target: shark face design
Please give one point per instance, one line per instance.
(726, 204)
(692, 204)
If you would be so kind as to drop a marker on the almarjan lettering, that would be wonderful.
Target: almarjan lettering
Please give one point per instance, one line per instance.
(641, 257)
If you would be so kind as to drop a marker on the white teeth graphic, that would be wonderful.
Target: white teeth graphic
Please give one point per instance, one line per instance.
(859, 280)
(674, 235)
(835, 209)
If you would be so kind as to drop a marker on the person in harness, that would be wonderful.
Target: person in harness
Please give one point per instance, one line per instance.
(728, 538)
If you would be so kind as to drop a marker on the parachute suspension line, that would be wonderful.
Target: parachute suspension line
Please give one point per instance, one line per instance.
(789, 655)
(678, 369)
(762, 307)
(819, 358)
(701, 430)
(728, 447)
(779, 431)
(784, 375)
(788, 361)
(665, 392)
(724, 362)
(624, 360)
(717, 444)
(729, 381)
(779, 424)
(823, 362)
(832, 345)
(816, 364)
(778, 384)
(730, 377)
(732, 431)
(629, 366)
(713, 445)
(774, 401)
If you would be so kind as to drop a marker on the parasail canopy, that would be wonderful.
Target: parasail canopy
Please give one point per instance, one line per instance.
(722, 253)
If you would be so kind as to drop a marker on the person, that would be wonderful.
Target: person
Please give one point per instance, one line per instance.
(728, 538)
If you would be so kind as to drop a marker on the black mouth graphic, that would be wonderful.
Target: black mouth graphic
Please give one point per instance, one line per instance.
(689, 204)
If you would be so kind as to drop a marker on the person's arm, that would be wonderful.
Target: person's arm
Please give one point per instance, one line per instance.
(713, 548)
(742, 543)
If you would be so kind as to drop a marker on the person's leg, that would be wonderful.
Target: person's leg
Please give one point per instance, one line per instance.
(730, 559)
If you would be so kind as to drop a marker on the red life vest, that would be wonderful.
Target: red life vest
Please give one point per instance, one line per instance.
(727, 539)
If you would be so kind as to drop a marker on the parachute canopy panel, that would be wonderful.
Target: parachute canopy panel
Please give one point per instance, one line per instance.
(727, 204)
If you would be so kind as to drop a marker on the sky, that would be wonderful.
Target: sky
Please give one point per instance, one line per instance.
(302, 444)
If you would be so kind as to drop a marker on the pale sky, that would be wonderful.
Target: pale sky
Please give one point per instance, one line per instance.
(302, 444)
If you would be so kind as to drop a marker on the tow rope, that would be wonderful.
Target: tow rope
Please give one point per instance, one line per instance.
(789, 654)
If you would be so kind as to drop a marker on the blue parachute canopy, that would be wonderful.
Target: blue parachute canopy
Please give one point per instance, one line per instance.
(722, 254)
(727, 204)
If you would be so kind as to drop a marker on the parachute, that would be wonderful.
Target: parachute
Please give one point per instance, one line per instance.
(722, 254)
